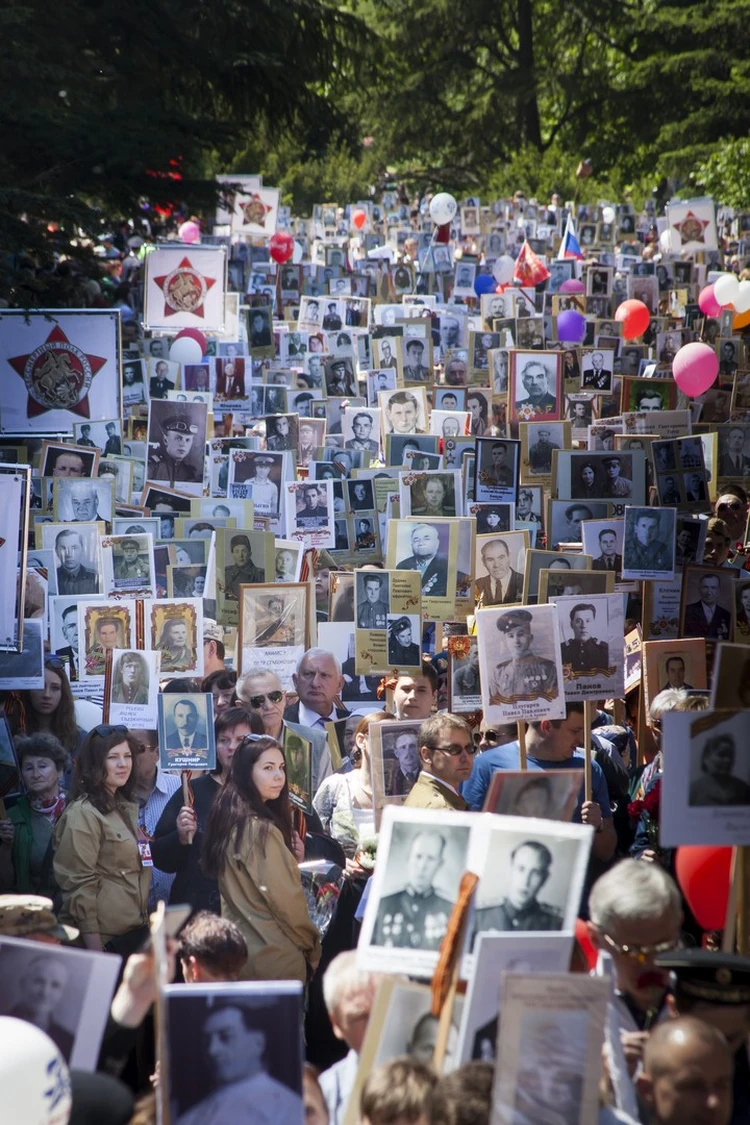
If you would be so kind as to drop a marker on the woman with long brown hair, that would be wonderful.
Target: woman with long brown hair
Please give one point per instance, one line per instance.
(51, 708)
(97, 860)
(248, 848)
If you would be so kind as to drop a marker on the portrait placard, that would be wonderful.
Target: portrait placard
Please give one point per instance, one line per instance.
(499, 566)
(705, 797)
(256, 476)
(404, 412)
(546, 794)
(134, 688)
(661, 609)
(309, 513)
(174, 627)
(496, 470)
(422, 851)
(509, 897)
(678, 664)
(730, 682)
(58, 367)
(519, 649)
(14, 525)
(288, 557)
(128, 566)
(619, 478)
(430, 495)
(592, 632)
(262, 1019)
(394, 761)
(68, 990)
(494, 956)
(649, 543)
(633, 659)
(242, 557)
(184, 287)
(432, 549)
(25, 669)
(387, 613)
(273, 628)
(62, 459)
(602, 540)
(708, 602)
(558, 1017)
(103, 625)
(362, 428)
(83, 501)
(535, 392)
(538, 561)
(177, 443)
(464, 676)
(298, 757)
(565, 518)
(186, 731)
(539, 440)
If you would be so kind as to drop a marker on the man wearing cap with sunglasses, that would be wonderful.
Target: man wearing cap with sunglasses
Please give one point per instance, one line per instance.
(446, 751)
(171, 463)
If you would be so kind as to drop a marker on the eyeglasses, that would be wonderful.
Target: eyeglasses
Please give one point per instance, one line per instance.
(455, 749)
(489, 736)
(641, 953)
(254, 738)
(104, 730)
(257, 701)
(736, 507)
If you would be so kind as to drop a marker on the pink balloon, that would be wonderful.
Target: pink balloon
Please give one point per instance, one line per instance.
(572, 285)
(707, 302)
(190, 232)
(695, 368)
(194, 334)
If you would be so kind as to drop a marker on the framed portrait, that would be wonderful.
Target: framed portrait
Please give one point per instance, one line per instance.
(496, 470)
(618, 478)
(706, 797)
(128, 566)
(260, 331)
(538, 561)
(282, 432)
(565, 518)
(520, 649)
(539, 440)
(274, 627)
(730, 681)
(186, 731)
(434, 549)
(464, 677)
(494, 956)
(661, 609)
(649, 543)
(309, 512)
(361, 428)
(408, 449)
(184, 287)
(83, 501)
(103, 437)
(431, 494)
(427, 851)
(77, 557)
(388, 623)
(593, 656)
(536, 391)
(69, 989)
(63, 631)
(60, 459)
(102, 626)
(177, 443)
(546, 794)
(404, 411)
(381, 379)
(679, 664)
(133, 688)
(288, 556)
(499, 567)
(298, 757)
(174, 627)
(708, 602)
(597, 367)
(602, 540)
(551, 1018)
(58, 366)
(186, 581)
(24, 669)
(256, 476)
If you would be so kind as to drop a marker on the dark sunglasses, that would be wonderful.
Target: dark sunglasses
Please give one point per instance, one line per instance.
(736, 507)
(455, 749)
(104, 730)
(489, 736)
(257, 701)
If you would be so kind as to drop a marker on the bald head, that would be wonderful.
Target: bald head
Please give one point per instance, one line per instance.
(687, 1076)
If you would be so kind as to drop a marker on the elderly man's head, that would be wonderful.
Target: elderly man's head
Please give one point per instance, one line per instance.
(261, 690)
(687, 1074)
(318, 681)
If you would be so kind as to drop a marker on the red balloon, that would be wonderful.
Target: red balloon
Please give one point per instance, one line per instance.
(359, 218)
(281, 246)
(634, 317)
(194, 334)
(703, 874)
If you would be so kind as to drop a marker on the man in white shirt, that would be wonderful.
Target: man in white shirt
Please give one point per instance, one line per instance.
(245, 1093)
(319, 683)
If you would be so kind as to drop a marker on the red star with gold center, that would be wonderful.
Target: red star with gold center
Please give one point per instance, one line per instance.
(184, 289)
(691, 229)
(255, 210)
(57, 375)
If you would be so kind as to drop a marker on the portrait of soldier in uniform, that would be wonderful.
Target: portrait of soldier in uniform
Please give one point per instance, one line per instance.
(524, 675)
(417, 916)
(243, 570)
(520, 909)
(131, 680)
(373, 601)
(274, 621)
(584, 653)
(72, 576)
(402, 651)
(172, 461)
(130, 569)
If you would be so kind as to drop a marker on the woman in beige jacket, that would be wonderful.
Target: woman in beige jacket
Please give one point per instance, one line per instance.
(248, 848)
(97, 862)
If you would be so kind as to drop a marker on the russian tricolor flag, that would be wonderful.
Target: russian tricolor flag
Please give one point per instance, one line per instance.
(570, 246)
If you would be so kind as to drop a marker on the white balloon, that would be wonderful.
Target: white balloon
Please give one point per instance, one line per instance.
(186, 350)
(726, 289)
(668, 241)
(297, 253)
(608, 214)
(34, 1079)
(502, 271)
(742, 300)
(443, 208)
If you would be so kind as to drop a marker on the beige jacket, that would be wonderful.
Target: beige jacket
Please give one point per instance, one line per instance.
(261, 892)
(98, 869)
(427, 793)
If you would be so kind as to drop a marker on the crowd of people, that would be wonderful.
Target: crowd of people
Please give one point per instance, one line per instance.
(342, 673)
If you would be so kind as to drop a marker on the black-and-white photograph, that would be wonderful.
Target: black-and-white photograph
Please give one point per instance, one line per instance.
(707, 608)
(65, 992)
(361, 429)
(260, 331)
(531, 877)
(372, 599)
(177, 442)
(597, 366)
(416, 451)
(731, 675)
(422, 855)
(496, 470)
(492, 518)
(520, 650)
(495, 955)
(83, 501)
(404, 637)
(77, 556)
(395, 757)
(602, 540)
(544, 794)
(431, 494)
(60, 459)
(566, 519)
(649, 543)
(128, 566)
(535, 393)
(287, 560)
(464, 676)
(309, 512)
(382, 379)
(539, 440)
(256, 476)
(186, 731)
(616, 477)
(236, 1047)
(404, 412)
(538, 561)
(499, 567)
(424, 547)
(25, 669)
(106, 437)
(706, 798)
(734, 450)
(593, 655)
(281, 432)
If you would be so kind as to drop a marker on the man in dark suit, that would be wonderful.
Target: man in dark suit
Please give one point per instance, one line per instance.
(160, 384)
(503, 585)
(425, 544)
(189, 734)
(597, 377)
(609, 559)
(706, 618)
(318, 683)
(732, 460)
